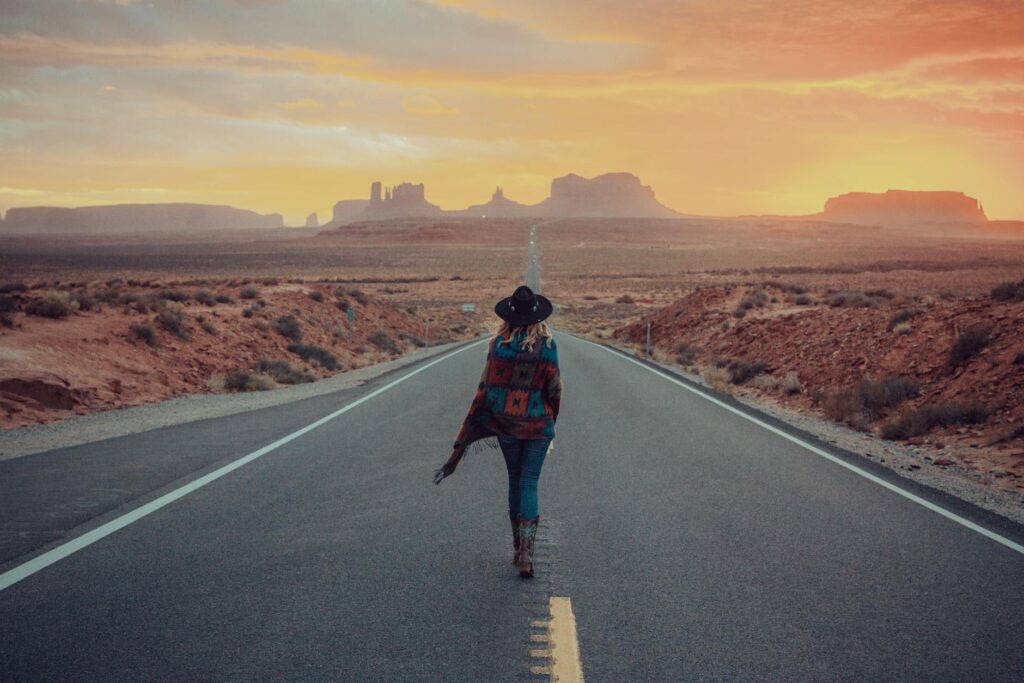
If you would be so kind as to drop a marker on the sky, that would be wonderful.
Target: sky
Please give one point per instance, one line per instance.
(724, 107)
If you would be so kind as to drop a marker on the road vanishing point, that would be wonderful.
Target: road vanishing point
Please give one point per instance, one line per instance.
(684, 537)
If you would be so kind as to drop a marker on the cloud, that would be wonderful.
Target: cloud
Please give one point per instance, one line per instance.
(426, 105)
(300, 104)
(385, 34)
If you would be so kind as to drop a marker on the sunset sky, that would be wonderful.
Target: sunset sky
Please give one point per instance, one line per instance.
(723, 106)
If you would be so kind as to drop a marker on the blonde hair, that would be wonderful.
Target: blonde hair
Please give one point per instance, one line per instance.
(506, 332)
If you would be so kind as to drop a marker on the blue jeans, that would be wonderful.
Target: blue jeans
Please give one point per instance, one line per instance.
(523, 459)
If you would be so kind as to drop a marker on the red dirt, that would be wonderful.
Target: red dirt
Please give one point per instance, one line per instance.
(830, 348)
(91, 360)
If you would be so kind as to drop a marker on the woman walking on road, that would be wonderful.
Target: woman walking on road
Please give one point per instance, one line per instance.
(516, 401)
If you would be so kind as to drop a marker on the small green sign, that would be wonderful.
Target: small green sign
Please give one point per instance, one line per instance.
(351, 315)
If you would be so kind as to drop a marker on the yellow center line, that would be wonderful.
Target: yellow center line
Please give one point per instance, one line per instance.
(564, 645)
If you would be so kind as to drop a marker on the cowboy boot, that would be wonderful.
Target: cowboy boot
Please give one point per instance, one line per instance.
(512, 517)
(524, 555)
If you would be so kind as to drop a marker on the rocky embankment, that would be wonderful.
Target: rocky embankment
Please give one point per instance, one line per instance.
(944, 374)
(72, 349)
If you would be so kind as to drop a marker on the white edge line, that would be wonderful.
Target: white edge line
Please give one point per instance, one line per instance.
(30, 567)
(825, 454)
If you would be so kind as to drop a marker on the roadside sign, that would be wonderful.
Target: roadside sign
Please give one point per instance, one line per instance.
(351, 315)
(469, 308)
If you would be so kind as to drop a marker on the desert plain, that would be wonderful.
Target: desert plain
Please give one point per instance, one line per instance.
(900, 334)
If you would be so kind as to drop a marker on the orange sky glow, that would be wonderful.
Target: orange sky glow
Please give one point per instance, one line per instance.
(725, 108)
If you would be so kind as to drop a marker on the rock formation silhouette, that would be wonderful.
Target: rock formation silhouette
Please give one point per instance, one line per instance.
(903, 207)
(134, 218)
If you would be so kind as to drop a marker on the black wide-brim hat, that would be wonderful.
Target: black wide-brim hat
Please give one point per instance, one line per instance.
(523, 307)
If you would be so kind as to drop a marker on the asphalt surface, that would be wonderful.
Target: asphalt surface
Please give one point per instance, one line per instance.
(694, 545)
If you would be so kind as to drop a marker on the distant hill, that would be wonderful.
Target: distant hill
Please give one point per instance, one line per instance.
(903, 207)
(133, 218)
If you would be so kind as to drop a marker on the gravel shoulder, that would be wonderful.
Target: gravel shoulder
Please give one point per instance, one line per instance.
(22, 441)
(908, 461)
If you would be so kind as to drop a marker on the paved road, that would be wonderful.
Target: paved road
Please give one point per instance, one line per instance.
(694, 545)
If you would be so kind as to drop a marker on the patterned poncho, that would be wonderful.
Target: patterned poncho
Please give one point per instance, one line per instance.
(519, 395)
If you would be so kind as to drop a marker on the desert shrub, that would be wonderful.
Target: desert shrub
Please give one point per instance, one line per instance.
(969, 343)
(768, 383)
(903, 328)
(13, 287)
(224, 299)
(888, 392)
(900, 317)
(845, 406)
(412, 339)
(342, 305)
(879, 293)
(791, 384)
(686, 354)
(204, 296)
(360, 296)
(145, 332)
(6, 320)
(1009, 291)
(8, 304)
(249, 293)
(171, 317)
(866, 401)
(741, 371)
(383, 341)
(107, 295)
(923, 419)
(268, 281)
(802, 300)
(756, 299)
(289, 327)
(208, 327)
(247, 312)
(262, 325)
(361, 349)
(590, 297)
(716, 377)
(625, 299)
(848, 299)
(1018, 359)
(53, 304)
(284, 372)
(241, 380)
(459, 328)
(316, 295)
(174, 295)
(320, 355)
(83, 301)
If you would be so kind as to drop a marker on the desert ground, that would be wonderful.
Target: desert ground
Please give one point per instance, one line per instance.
(91, 325)
(896, 333)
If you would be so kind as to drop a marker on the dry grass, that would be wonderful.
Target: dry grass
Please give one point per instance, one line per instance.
(968, 344)
(921, 420)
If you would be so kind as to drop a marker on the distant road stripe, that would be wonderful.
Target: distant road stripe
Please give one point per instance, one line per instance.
(825, 454)
(22, 571)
